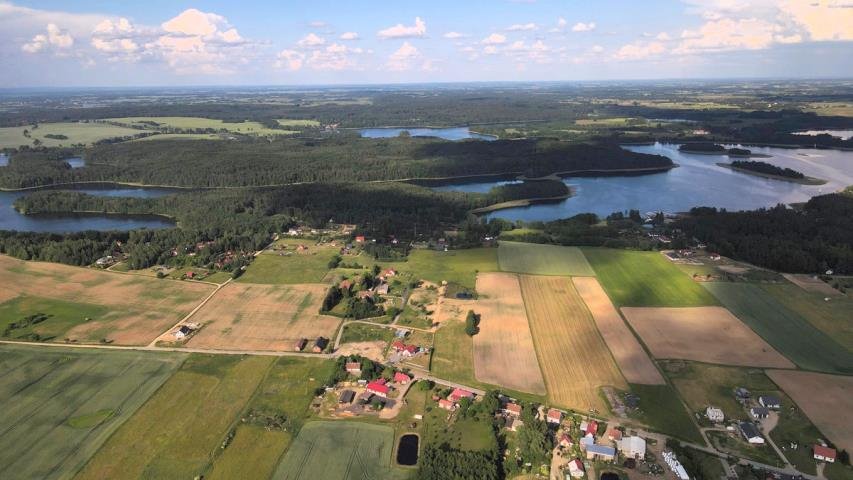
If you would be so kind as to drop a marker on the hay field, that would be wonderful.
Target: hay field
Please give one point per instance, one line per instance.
(826, 400)
(830, 317)
(632, 359)
(539, 259)
(262, 317)
(61, 405)
(346, 450)
(124, 309)
(245, 128)
(503, 350)
(289, 266)
(704, 334)
(787, 331)
(77, 132)
(575, 360)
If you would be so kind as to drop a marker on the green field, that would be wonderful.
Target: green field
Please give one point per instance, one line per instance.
(786, 331)
(340, 450)
(453, 355)
(61, 317)
(77, 132)
(457, 266)
(175, 434)
(831, 317)
(539, 259)
(359, 332)
(60, 405)
(645, 279)
(272, 268)
(246, 128)
(662, 411)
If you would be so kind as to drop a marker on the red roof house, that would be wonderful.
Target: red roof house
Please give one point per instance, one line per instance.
(824, 454)
(354, 368)
(446, 404)
(513, 409)
(411, 349)
(379, 389)
(614, 434)
(458, 394)
(401, 378)
(591, 427)
(398, 345)
(359, 238)
(554, 416)
(565, 441)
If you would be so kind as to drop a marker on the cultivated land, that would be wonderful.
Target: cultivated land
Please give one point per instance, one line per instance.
(788, 332)
(175, 434)
(346, 450)
(503, 350)
(630, 356)
(827, 316)
(60, 406)
(705, 334)
(77, 132)
(661, 410)
(644, 279)
(826, 399)
(89, 305)
(453, 356)
(455, 266)
(811, 284)
(246, 128)
(538, 259)
(289, 265)
(575, 361)
(262, 317)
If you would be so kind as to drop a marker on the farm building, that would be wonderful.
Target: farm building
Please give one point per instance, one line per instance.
(614, 435)
(759, 412)
(554, 416)
(589, 427)
(401, 378)
(715, 414)
(632, 447)
(378, 389)
(320, 344)
(586, 442)
(769, 401)
(742, 393)
(576, 469)
(353, 368)
(459, 393)
(359, 239)
(382, 289)
(513, 424)
(446, 404)
(300, 344)
(566, 441)
(347, 396)
(183, 331)
(600, 452)
(824, 454)
(513, 409)
(365, 294)
(750, 433)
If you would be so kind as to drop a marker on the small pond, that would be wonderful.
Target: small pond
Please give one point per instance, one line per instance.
(609, 476)
(407, 450)
(452, 133)
(76, 162)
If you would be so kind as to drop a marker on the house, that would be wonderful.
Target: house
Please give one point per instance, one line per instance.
(389, 273)
(446, 404)
(614, 435)
(591, 428)
(741, 393)
(824, 454)
(769, 401)
(320, 344)
(600, 452)
(759, 412)
(554, 416)
(353, 368)
(398, 345)
(183, 331)
(586, 442)
(566, 441)
(513, 424)
(190, 274)
(632, 447)
(715, 414)
(365, 294)
(359, 239)
(576, 468)
(410, 350)
(458, 394)
(347, 396)
(382, 289)
(401, 378)
(345, 284)
(750, 433)
(300, 344)
(379, 389)
(513, 409)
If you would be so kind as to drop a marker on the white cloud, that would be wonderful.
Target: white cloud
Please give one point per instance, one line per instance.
(490, 50)
(349, 36)
(827, 20)
(318, 24)
(56, 39)
(199, 42)
(334, 57)
(494, 39)
(640, 50)
(403, 31)
(522, 27)
(454, 35)
(561, 23)
(194, 22)
(663, 37)
(583, 27)
(403, 57)
(311, 40)
(727, 34)
(289, 60)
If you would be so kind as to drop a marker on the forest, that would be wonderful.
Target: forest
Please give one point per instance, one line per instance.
(767, 168)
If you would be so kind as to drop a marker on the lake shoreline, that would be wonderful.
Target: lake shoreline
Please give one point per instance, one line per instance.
(522, 202)
(801, 181)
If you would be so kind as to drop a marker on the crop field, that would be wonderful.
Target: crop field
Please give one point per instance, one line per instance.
(827, 316)
(661, 409)
(88, 305)
(630, 356)
(811, 284)
(504, 353)
(77, 132)
(704, 334)
(538, 259)
(290, 266)
(788, 332)
(262, 317)
(246, 128)
(455, 266)
(645, 279)
(345, 450)
(574, 358)
(61, 405)
(176, 432)
(824, 409)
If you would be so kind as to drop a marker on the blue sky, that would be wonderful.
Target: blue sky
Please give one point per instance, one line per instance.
(155, 42)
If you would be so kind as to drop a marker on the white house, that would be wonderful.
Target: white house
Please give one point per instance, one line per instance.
(750, 433)
(769, 401)
(576, 468)
(633, 447)
(715, 414)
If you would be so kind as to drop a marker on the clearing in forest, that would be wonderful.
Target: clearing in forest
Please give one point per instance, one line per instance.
(539, 259)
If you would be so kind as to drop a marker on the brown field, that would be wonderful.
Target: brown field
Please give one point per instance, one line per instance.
(635, 364)
(245, 316)
(826, 399)
(138, 308)
(811, 284)
(503, 350)
(374, 350)
(704, 334)
(575, 361)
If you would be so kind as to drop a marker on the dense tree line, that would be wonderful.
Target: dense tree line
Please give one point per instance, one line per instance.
(811, 239)
(442, 462)
(767, 168)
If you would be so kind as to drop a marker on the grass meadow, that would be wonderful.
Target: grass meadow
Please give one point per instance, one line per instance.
(77, 132)
(277, 268)
(539, 259)
(827, 316)
(246, 128)
(661, 410)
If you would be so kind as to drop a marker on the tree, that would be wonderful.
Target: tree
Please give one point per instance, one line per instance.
(472, 322)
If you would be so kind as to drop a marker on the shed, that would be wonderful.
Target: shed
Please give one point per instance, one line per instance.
(347, 396)
(824, 454)
(633, 447)
(320, 344)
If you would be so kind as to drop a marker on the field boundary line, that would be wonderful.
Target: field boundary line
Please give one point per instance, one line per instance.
(192, 312)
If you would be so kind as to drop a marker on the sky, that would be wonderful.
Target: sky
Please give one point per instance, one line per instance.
(54, 43)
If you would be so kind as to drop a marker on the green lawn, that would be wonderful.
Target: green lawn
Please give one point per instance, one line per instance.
(645, 279)
(788, 332)
(344, 450)
(61, 317)
(359, 332)
(77, 132)
(60, 405)
(831, 317)
(735, 444)
(539, 259)
(662, 411)
(459, 266)
(272, 268)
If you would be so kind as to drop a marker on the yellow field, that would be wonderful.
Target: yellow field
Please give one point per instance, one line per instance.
(575, 360)
(77, 132)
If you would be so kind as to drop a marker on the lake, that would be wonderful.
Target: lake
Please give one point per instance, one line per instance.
(4, 160)
(842, 134)
(698, 181)
(76, 162)
(452, 133)
(10, 219)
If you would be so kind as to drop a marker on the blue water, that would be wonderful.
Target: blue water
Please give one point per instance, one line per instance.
(453, 133)
(698, 181)
(4, 160)
(76, 162)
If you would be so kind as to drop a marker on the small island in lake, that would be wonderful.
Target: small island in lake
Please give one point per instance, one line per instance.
(717, 149)
(768, 170)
